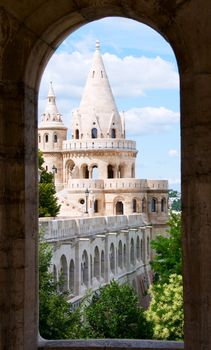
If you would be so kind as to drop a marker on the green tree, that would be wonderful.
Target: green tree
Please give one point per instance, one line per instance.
(48, 205)
(114, 313)
(175, 199)
(56, 320)
(168, 251)
(166, 309)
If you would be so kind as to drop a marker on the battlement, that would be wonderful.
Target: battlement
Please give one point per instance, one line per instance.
(100, 144)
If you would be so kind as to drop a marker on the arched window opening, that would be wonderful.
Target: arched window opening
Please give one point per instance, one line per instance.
(132, 252)
(138, 248)
(102, 264)
(120, 255)
(113, 133)
(163, 205)
(94, 133)
(143, 205)
(120, 171)
(84, 269)
(153, 205)
(39, 138)
(46, 138)
(55, 138)
(96, 263)
(96, 206)
(95, 172)
(72, 276)
(110, 172)
(142, 250)
(91, 269)
(133, 171)
(112, 258)
(76, 134)
(134, 205)
(119, 208)
(63, 272)
(85, 172)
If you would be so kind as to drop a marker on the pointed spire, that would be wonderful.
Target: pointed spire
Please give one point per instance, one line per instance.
(97, 99)
(51, 116)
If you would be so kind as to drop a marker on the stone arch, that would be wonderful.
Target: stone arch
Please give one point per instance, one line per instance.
(55, 138)
(110, 171)
(72, 276)
(125, 256)
(63, 272)
(120, 255)
(112, 258)
(45, 138)
(76, 134)
(85, 269)
(96, 206)
(39, 138)
(96, 263)
(102, 264)
(133, 171)
(113, 133)
(70, 170)
(142, 250)
(134, 205)
(84, 171)
(121, 171)
(94, 171)
(91, 268)
(94, 133)
(171, 21)
(132, 252)
(119, 208)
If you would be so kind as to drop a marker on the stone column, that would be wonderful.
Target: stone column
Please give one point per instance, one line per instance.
(19, 219)
(196, 210)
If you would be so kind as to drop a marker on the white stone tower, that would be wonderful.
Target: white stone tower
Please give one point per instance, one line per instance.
(52, 133)
(96, 168)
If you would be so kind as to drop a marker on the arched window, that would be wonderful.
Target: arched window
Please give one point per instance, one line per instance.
(113, 133)
(46, 138)
(55, 138)
(133, 171)
(96, 206)
(134, 205)
(163, 204)
(102, 264)
(84, 269)
(39, 138)
(94, 133)
(94, 172)
(110, 172)
(63, 271)
(96, 263)
(153, 205)
(76, 134)
(72, 276)
(132, 252)
(112, 258)
(120, 255)
(119, 208)
(85, 172)
(120, 171)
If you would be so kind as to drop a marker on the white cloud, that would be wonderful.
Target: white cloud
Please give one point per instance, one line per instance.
(173, 153)
(150, 120)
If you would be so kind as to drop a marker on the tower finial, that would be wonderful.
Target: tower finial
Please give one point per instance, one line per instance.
(97, 45)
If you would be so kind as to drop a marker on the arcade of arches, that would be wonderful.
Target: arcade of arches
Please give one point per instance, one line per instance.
(29, 33)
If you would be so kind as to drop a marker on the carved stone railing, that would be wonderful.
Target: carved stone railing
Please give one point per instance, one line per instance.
(101, 144)
(110, 344)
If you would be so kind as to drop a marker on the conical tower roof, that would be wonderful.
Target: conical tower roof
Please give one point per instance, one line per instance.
(97, 107)
(51, 117)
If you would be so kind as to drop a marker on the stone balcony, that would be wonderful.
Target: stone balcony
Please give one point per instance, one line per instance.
(99, 144)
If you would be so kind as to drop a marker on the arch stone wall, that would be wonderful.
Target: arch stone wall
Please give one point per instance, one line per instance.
(30, 33)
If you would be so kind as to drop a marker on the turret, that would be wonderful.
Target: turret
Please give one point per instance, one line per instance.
(97, 115)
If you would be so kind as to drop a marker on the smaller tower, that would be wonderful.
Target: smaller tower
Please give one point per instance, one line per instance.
(51, 134)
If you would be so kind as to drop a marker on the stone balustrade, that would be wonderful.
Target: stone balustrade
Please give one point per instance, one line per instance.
(61, 229)
(104, 344)
(118, 183)
(119, 144)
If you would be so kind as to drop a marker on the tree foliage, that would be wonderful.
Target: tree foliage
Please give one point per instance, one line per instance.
(56, 320)
(168, 257)
(175, 200)
(114, 313)
(166, 309)
(48, 205)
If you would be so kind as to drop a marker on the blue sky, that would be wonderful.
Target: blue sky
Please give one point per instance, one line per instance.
(143, 74)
